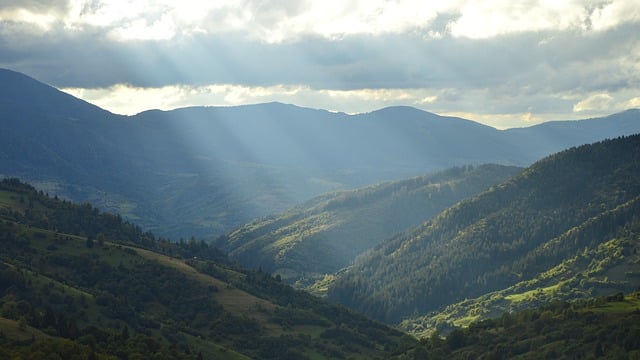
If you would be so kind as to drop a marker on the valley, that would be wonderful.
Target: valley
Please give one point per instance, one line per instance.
(309, 243)
(276, 231)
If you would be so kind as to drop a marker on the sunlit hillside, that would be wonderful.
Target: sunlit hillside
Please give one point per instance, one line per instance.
(566, 227)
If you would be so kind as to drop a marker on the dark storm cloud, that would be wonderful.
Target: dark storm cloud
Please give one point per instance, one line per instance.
(552, 61)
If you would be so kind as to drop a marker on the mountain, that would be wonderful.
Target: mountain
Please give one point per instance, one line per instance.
(327, 233)
(608, 268)
(78, 283)
(208, 170)
(578, 207)
(575, 132)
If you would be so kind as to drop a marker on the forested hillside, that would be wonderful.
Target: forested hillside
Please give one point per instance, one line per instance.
(78, 283)
(564, 205)
(318, 238)
(599, 328)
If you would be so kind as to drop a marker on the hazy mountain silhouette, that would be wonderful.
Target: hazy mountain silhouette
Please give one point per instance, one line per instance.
(206, 170)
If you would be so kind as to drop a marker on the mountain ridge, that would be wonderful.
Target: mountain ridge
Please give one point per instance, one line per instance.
(224, 166)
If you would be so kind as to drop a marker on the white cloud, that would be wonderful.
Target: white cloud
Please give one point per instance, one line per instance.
(633, 103)
(277, 21)
(483, 19)
(614, 13)
(43, 21)
(596, 102)
(118, 98)
(142, 29)
(127, 100)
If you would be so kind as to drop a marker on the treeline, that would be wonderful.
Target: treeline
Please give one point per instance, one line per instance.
(580, 197)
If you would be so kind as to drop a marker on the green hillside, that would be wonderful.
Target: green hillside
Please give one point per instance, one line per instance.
(611, 266)
(600, 328)
(83, 284)
(572, 203)
(310, 242)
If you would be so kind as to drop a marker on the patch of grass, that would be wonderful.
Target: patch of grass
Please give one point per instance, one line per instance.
(533, 294)
(465, 321)
(321, 285)
(236, 301)
(12, 201)
(211, 350)
(16, 331)
(311, 330)
(629, 304)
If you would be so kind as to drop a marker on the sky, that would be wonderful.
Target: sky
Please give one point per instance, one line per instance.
(504, 63)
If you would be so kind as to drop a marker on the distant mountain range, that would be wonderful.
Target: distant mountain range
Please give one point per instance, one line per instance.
(207, 170)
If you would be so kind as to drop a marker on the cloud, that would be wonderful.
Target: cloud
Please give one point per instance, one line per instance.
(170, 97)
(614, 13)
(490, 58)
(59, 7)
(292, 20)
(484, 19)
(506, 64)
(633, 103)
(463, 103)
(599, 102)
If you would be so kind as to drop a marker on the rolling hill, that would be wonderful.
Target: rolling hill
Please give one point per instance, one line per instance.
(83, 284)
(567, 226)
(310, 242)
(208, 170)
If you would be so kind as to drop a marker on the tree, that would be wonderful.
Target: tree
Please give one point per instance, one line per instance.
(100, 239)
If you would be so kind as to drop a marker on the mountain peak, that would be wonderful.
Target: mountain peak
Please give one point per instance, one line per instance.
(29, 93)
(402, 109)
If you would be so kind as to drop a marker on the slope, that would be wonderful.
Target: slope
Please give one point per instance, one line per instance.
(511, 233)
(95, 284)
(604, 327)
(608, 265)
(327, 233)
